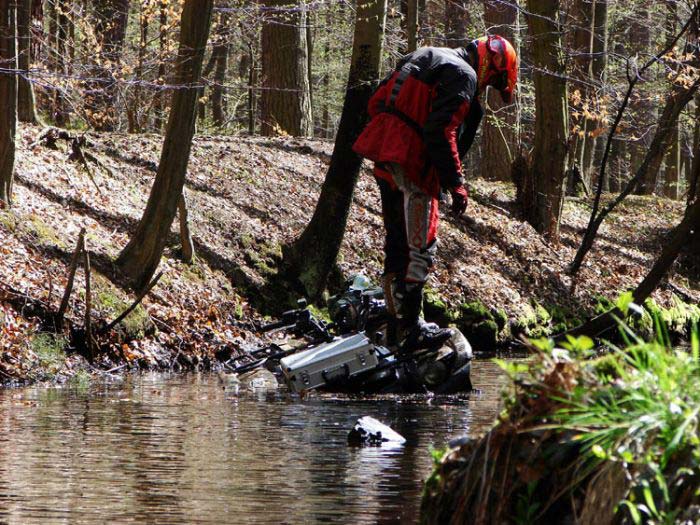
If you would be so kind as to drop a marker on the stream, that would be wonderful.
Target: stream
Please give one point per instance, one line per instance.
(180, 449)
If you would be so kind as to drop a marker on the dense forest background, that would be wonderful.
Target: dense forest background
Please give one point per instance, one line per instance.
(277, 67)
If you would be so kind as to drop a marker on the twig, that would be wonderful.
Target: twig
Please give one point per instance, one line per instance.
(131, 308)
(116, 368)
(71, 276)
(88, 305)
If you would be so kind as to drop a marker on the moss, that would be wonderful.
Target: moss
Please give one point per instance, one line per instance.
(194, 273)
(49, 349)
(42, 232)
(475, 312)
(110, 302)
(8, 220)
(80, 380)
(247, 241)
(602, 304)
(501, 318)
(437, 310)
(679, 318)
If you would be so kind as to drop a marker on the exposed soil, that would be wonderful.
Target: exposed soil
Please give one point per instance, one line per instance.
(247, 197)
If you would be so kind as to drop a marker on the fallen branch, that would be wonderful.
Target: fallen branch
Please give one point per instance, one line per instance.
(131, 308)
(71, 277)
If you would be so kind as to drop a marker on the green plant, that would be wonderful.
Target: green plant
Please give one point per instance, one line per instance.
(49, 350)
(80, 380)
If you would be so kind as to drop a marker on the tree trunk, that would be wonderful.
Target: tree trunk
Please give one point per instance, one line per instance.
(252, 84)
(312, 256)
(456, 23)
(140, 258)
(549, 155)
(285, 101)
(411, 25)
(499, 134)
(26, 111)
(133, 111)
(668, 122)
(673, 159)
(8, 99)
(159, 104)
(110, 20)
(694, 178)
(58, 33)
(221, 50)
(599, 65)
(687, 233)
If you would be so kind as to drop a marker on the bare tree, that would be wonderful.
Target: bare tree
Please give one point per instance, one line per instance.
(140, 258)
(26, 111)
(311, 257)
(499, 130)
(543, 201)
(8, 99)
(286, 97)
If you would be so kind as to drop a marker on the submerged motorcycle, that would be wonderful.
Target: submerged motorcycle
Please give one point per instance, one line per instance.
(353, 353)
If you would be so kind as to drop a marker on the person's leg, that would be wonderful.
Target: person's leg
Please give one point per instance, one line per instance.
(420, 214)
(395, 249)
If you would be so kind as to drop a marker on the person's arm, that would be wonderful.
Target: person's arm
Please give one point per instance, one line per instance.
(455, 89)
(471, 125)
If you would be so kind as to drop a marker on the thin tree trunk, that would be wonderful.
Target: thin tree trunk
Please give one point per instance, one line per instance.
(8, 100)
(673, 159)
(549, 156)
(252, 84)
(111, 17)
(694, 178)
(668, 122)
(599, 65)
(285, 101)
(686, 233)
(312, 256)
(499, 130)
(133, 111)
(159, 104)
(26, 111)
(140, 258)
(217, 91)
(582, 19)
(411, 25)
(456, 23)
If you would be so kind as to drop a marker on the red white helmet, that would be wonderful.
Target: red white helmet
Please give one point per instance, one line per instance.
(501, 74)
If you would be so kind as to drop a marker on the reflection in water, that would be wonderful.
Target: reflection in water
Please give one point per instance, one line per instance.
(181, 450)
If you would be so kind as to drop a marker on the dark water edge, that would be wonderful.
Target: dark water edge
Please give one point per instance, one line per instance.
(179, 449)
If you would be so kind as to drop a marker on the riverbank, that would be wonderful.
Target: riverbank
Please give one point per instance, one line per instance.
(585, 438)
(495, 277)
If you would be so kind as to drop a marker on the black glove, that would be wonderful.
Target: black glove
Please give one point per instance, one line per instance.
(460, 197)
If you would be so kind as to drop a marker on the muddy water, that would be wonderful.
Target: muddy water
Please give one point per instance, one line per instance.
(182, 450)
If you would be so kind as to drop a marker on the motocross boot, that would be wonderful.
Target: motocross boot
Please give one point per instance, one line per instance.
(414, 333)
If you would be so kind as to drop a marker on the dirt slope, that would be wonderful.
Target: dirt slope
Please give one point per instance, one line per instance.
(247, 197)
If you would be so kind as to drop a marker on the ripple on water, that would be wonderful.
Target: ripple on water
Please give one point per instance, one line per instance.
(181, 450)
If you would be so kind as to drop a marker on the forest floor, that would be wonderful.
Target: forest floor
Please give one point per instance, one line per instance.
(247, 197)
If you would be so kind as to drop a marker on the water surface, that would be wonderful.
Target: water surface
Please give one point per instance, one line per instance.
(180, 449)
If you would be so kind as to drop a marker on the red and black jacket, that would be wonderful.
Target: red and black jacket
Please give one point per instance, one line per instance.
(424, 117)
